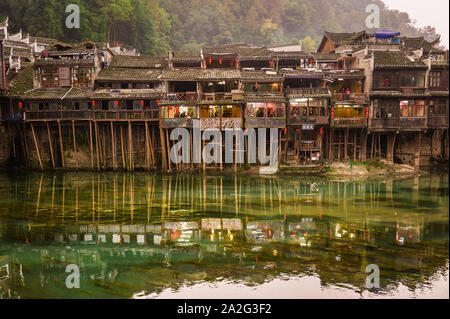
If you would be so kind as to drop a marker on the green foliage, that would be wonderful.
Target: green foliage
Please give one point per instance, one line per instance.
(154, 26)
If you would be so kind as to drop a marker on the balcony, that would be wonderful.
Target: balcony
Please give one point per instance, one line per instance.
(352, 97)
(403, 123)
(216, 96)
(438, 121)
(309, 146)
(171, 98)
(308, 120)
(117, 115)
(265, 122)
(177, 123)
(349, 122)
(307, 91)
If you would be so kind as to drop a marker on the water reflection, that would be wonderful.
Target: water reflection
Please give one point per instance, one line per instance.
(139, 234)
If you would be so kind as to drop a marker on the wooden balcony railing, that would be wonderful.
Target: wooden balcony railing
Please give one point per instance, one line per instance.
(349, 122)
(309, 120)
(352, 97)
(180, 97)
(403, 123)
(216, 96)
(262, 122)
(438, 121)
(307, 91)
(309, 145)
(99, 115)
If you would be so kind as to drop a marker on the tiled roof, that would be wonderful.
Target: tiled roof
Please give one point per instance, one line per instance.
(42, 40)
(107, 94)
(344, 37)
(302, 73)
(65, 62)
(418, 43)
(393, 59)
(261, 76)
(121, 74)
(292, 55)
(186, 57)
(48, 94)
(198, 74)
(139, 62)
(326, 56)
(22, 82)
(22, 52)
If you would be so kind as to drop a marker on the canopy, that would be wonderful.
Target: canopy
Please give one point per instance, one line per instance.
(386, 34)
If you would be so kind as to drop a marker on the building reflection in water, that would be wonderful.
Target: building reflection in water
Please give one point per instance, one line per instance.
(136, 232)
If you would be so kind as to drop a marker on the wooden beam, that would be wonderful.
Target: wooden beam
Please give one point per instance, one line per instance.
(51, 145)
(37, 147)
(75, 145)
(61, 145)
(91, 146)
(130, 146)
(123, 148)
(96, 145)
(113, 146)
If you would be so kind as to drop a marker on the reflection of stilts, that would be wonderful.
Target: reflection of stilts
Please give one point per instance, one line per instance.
(39, 196)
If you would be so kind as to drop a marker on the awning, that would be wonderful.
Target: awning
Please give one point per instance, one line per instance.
(386, 34)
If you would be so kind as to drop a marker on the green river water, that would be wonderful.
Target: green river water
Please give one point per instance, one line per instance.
(167, 236)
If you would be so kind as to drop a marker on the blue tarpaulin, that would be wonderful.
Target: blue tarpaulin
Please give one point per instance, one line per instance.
(386, 34)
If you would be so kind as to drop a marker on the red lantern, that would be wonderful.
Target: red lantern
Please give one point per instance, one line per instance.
(271, 64)
(321, 130)
(256, 85)
(117, 103)
(220, 61)
(20, 105)
(93, 102)
(210, 60)
(157, 101)
(332, 112)
(367, 112)
(142, 102)
(285, 131)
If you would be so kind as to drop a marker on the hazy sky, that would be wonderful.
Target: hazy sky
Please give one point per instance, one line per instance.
(426, 12)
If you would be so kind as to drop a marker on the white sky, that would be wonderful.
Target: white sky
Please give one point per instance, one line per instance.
(426, 12)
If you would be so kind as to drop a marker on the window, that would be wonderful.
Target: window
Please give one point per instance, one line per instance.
(385, 80)
(412, 108)
(412, 80)
(173, 112)
(435, 79)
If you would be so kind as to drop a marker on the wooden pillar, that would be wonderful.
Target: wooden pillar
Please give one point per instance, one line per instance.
(96, 145)
(113, 145)
(354, 145)
(37, 147)
(168, 150)
(123, 148)
(147, 147)
(61, 144)
(346, 144)
(75, 144)
(51, 146)
(130, 146)
(163, 149)
(91, 146)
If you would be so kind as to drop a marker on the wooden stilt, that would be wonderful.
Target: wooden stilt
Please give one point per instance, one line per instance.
(130, 146)
(168, 150)
(91, 146)
(123, 149)
(37, 147)
(354, 145)
(113, 146)
(346, 144)
(147, 147)
(163, 149)
(96, 145)
(61, 145)
(51, 146)
(75, 145)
